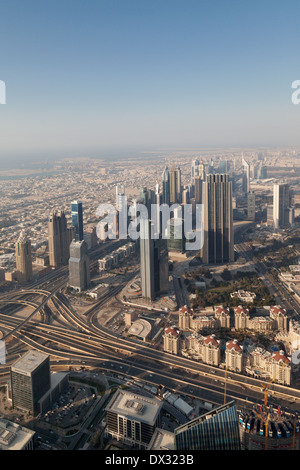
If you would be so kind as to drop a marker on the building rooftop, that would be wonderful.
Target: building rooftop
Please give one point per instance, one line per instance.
(29, 362)
(135, 407)
(13, 436)
(162, 440)
(140, 328)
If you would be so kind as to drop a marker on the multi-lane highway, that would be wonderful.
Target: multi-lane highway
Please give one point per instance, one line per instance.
(72, 339)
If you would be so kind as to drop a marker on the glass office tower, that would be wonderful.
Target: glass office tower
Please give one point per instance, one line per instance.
(216, 430)
(77, 220)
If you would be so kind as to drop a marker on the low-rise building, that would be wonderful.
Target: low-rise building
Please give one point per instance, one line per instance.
(133, 418)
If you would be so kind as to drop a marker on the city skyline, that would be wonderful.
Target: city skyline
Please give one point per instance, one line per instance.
(149, 227)
(125, 77)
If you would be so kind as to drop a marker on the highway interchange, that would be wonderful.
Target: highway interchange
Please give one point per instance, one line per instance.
(74, 340)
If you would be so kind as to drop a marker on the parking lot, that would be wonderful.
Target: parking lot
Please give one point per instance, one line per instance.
(71, 406)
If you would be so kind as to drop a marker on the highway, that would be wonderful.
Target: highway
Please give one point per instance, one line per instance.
(79, 340)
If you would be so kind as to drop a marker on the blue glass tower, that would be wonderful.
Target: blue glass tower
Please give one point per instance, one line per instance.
(216, 430)
(77, 220)
(166, 186)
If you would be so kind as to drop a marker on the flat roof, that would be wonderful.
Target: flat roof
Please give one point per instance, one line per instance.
(13, 436)
(140, 328)
(135, 407)
(162, 440)
(30, 361)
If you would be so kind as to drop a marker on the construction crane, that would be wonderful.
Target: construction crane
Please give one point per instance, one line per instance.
(266, 424)
(225, 384)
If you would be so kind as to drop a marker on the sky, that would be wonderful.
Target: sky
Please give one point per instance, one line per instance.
(85, 77)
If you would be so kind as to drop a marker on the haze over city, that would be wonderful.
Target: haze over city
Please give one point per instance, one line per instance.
(102, 78)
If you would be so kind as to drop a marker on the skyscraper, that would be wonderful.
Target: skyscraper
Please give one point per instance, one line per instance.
(166, 186)
(281, 205)
(198, 189)
(77, 219)
(175, 185)
(79, 266)
(218, 220)
(58, 239)
(23, 258)
(30, 380)
(154, 262)
(251, 205)
(246, 177)
(195, 169)
(122, 212)
(216, 430)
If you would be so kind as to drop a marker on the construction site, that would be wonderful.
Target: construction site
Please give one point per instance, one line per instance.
(268, 428)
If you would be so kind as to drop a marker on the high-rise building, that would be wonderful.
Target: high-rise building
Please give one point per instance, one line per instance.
(90, 237)
(154, 262)
(176, 237)
(23, 258)
(246, 177)
(195, 169)
(77, 219)
(216, 430)
(218, 244)
(166, 186)
(262, 171)
(30, 380)
(251, 205)
(198, 189)
(58, 239)
(122, 212)
(79, 266)
(281, 205)
(175, 185)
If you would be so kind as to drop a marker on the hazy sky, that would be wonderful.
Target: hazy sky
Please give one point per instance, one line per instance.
(88, 75)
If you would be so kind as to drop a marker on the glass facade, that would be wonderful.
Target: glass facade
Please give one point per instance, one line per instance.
(215, 430)
(77, 220)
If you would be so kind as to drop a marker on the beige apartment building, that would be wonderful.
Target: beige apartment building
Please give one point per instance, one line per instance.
(219, 318)
(206, 349)
(267, 365)
(276, 320)
(171, 340)
(234, 356)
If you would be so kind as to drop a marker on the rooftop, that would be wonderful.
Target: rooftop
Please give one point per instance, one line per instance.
(30, 361)
(135, 407)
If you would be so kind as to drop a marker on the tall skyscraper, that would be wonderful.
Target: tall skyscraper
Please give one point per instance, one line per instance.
(281, 205)
(77, 219)
(30, 380)
(216, 430)
(58, 239)
(154, 262)
(23, 258)
(218, 220)
(79, 266)
(122, 212)
(198, 189)
(175, 185)
(176, 237)
(195, 169)
(166, 186)
(251, 205)
(246, 177)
